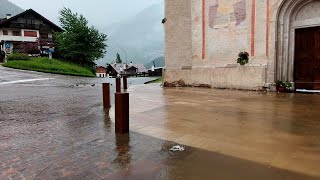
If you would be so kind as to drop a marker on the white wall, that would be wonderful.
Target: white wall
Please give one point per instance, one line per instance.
(21, 38)
(102, 75)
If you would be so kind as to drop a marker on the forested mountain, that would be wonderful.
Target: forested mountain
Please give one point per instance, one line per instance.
(6, 7)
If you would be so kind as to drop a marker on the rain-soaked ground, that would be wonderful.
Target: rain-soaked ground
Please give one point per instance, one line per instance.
(57, 129)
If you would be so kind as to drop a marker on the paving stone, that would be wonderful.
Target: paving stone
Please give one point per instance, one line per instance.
(56, 132)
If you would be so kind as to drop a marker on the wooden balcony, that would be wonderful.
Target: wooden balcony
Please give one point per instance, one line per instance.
(41, 27)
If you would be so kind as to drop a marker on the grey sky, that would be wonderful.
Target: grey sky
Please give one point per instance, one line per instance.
(99, 12)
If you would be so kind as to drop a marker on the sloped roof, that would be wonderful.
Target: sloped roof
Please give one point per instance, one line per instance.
(101, 69)
(31, 11)
(140, 67)
(118, 67)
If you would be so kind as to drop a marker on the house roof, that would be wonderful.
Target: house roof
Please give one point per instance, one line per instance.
(118, 67)
(132, 67)
(140, 67)
(101, 69)
(55, 27)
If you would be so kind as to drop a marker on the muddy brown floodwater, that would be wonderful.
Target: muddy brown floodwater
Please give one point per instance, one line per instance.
(57, 129)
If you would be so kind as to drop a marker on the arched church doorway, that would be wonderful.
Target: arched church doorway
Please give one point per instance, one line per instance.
(297, 43)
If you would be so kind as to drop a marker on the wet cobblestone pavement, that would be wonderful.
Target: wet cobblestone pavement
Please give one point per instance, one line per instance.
(54, 129)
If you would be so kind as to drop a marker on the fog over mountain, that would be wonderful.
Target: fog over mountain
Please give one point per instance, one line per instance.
(7, 7)
(141, 37)
(158, 62)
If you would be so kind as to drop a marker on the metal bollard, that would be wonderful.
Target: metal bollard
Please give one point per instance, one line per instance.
(125, 82)
(106, 95)
(118, 85)
(122, 113)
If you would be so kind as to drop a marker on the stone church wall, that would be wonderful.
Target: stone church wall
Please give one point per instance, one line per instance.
(204, 38)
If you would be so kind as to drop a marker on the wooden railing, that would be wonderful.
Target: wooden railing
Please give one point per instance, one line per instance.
(30, 26)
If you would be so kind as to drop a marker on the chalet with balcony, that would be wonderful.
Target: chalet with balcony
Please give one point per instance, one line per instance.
(27, 27)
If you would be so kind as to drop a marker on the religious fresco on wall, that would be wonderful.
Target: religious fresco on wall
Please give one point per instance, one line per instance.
(227, 30)
(220, 30)
(226, 11)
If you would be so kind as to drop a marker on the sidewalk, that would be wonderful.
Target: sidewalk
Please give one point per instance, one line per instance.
(278, 130)
(62, 132)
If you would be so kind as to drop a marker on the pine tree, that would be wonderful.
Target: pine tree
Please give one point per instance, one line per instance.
(118, 60)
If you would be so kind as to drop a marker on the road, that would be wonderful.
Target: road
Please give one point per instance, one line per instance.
(54, 127)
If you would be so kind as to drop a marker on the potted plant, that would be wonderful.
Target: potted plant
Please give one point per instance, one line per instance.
(288, 86)
(283, 86)
(243, 58)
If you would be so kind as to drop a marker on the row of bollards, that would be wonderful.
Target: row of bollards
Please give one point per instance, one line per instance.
(121, 104)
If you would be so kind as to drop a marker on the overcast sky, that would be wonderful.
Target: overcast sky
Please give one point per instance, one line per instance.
(98, 12)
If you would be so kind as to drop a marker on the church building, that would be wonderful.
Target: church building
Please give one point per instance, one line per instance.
(204, 37)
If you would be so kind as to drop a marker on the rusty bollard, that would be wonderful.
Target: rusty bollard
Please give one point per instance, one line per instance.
(118, 85)
(125, 82)
(122, 113)
(106, 95)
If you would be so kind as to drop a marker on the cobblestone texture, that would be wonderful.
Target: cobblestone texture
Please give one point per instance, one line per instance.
(52, 130)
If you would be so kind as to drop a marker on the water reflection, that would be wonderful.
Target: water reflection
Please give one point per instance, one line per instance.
(107, 120)
(123, 147)
(298, 115)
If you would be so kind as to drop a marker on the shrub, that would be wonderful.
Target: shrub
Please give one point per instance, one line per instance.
(29, 48)
(17, 56)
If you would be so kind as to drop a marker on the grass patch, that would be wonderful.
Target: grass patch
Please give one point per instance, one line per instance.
(50, 66)
(158, 80)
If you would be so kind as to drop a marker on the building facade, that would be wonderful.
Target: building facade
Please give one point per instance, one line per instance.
(114, 70)
(101, 72)
(27, 27)
(204, 37)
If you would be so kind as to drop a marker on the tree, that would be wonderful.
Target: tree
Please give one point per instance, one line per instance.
(118, 60)
(79, 43)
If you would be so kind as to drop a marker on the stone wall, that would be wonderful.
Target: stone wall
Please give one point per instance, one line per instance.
(178, 45)
(231, 78)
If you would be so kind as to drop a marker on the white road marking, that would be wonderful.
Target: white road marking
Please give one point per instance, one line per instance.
(24, 80)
